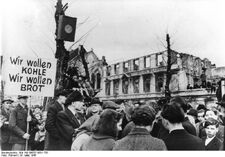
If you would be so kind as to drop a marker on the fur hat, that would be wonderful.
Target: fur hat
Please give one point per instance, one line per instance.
(74, 96)
(62, 93)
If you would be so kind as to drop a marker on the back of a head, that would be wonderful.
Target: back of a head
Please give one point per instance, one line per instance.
(179, 100)
(143, 115)
(107, 124)
(173, 113)
(154, 105)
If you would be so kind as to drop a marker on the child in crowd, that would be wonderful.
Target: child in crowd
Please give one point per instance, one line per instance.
(211, 141)
(40, 137)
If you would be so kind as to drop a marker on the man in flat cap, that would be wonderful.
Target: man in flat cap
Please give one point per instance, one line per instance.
(139, 138)
(18, 123)
(50, 125)
(5, 131)
(110, 105)
(70, 119)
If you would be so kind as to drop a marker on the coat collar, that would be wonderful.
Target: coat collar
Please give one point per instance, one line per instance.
(72, 116)
(212, 142)
(101, 137)
(5, 113)
(58, 105)
(178, 131)
(139, 131)
(21, 107)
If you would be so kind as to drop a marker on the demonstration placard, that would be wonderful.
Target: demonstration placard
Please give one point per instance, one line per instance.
(29, 76)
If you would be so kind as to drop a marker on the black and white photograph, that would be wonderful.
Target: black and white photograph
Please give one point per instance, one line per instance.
(111, 75)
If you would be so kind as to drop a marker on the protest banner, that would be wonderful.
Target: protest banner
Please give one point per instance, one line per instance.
(29, 76)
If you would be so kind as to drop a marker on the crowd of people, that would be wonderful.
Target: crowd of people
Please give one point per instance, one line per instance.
(71, 124)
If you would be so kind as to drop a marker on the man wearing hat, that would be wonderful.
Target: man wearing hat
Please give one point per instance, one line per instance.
(139, 138)
(110, 105)
(18, 123)
(50, 125)
(5, 131)
(70, 119)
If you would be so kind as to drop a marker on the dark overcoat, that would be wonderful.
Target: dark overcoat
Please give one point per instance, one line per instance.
(66, 124)
(215, 144)
(182, 140)
(50, 126)
(18, 124)
(5, 131)
(189, 127)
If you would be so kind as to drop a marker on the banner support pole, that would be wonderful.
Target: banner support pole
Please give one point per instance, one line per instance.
(28, 114)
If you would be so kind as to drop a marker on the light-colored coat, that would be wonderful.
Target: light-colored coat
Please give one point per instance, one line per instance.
(99, 142)
(139, 139)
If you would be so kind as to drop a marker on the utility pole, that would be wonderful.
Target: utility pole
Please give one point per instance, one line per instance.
(62, 55)
(168, 71)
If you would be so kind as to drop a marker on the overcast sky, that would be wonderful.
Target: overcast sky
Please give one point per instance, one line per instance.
(123, 29)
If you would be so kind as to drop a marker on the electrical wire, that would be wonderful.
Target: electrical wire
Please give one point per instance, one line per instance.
(86, 34)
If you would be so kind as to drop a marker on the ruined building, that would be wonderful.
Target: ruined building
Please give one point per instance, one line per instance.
(144, 78)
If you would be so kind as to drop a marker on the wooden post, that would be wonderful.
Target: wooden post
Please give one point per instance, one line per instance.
(28, 114)
(168, 71)
(61, 52)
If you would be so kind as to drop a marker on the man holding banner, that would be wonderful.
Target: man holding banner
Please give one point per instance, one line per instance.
(18, 121)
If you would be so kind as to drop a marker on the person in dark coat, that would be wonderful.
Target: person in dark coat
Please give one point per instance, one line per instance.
(18, 124)
(52, 135)
(188, 126)
(5, 130)
(106, 132)
(139, 138)
(70, 119)
(160, 131)
(212, 142)
(178, 138)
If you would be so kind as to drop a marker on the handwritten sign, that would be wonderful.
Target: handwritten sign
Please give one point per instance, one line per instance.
(29, 76)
